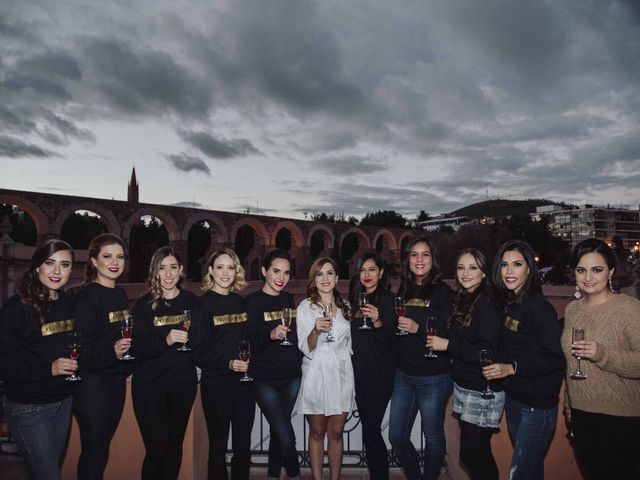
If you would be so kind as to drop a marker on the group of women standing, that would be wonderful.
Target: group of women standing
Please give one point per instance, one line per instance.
(493, 341)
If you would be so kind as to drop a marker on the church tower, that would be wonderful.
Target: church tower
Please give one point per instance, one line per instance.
(133, 194)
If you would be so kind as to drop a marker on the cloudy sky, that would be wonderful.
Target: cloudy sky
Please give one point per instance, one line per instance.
(294, 106)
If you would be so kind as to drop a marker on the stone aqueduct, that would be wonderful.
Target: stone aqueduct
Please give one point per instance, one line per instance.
(49, 212)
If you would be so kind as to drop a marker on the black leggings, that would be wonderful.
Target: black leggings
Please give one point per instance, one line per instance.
(607, 445)
(372, 403)
(475, 451)
(227, 403)
(162, 418)
(98, 403)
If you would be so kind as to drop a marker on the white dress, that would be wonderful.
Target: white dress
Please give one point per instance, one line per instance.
(327, 386)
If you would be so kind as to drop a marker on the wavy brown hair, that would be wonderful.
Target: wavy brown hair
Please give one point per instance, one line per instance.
(30, 289)
(239, 281)
(95, 246)
(155, 288)
(312, 290)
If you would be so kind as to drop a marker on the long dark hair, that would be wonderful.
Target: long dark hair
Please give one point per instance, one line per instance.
(355, 286)
(30, 289)
(96, 244)
(312, 290)
(463, 302)
(530, 287)
(407, 278)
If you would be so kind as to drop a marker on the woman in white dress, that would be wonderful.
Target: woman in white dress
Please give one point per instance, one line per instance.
(327, 390)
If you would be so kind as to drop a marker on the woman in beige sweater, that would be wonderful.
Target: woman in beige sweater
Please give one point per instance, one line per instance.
(603, 409)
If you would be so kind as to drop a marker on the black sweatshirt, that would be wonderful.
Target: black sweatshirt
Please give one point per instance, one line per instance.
(221, 321)
(420, 302)
(374, 351)
(160, 367)
(269, 359)
(471, 332)
(98, 312)
(531, 337)
(28, 348)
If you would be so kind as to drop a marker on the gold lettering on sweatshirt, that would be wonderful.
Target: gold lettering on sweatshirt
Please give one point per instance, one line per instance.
(417, 302)
(57, 327)
(118, 315)
(229, 318)
(168, 320)
(277, 315)
(511, 323)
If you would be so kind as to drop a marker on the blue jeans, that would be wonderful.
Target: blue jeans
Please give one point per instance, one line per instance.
(430, 395)
(531, 431)
(41, 431)
(276, 399)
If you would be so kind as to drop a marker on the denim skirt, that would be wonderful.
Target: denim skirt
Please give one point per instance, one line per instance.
(477, 410)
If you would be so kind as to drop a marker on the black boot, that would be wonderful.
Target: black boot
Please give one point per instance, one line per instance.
(218, 469)
(240, 465)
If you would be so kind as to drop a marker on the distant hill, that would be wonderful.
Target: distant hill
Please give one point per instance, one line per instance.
(501, 208)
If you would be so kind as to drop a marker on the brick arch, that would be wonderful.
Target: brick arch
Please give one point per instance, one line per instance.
(167, 220)
(113, 226)
(255, 224)
(296, 233)
(220, 229)
(39, 218)
(391, 240)
(323, 228)
(360, 234)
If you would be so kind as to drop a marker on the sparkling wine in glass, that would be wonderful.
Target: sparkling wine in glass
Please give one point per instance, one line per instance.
(431, 331)
(244, 353)
(577, 336)
(327, 312)
(185, 324)
(74, 344)
(126, 329)
(364, 301)
(486, 359)
(400, 311)
(286, 321)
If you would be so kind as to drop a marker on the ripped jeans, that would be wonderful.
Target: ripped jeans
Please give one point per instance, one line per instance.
(531, 430)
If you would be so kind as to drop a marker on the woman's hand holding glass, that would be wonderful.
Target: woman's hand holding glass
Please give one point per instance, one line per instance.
(437, 344)
(497, 370)
(371, 312)
(176, 336)
(585, 349)
(406, 324)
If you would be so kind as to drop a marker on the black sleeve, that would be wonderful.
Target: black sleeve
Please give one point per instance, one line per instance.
(484, 333)
(545, 356)
(385, 336)
(145, 344)
(258, 329)
(95, 354)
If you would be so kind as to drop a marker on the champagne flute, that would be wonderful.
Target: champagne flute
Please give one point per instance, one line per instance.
(486, 359)
(577, 336)
(400, 311)
(244, 352)
(286, 321)
(327, 312)
(431, 331)
(126, 329)
(364, 301)
(185, 324)
(75, 342)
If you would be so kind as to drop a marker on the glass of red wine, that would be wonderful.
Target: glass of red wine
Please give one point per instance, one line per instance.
(486, 359)
(364, 301)
(431, 331)
(75, 343)
(286, 321)
(244, 352)
(400, 311)
(126, 329)
(185, 323)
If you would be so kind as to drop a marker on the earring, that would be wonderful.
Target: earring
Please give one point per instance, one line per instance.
(577, 294)
(610, 284)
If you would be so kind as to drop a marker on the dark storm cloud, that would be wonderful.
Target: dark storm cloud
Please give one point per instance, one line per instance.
(15, 122)
(219, 149)
(67, 128)
(187, 163)
(347, 165)
(15, 148)
(45, 86)
(144, 82)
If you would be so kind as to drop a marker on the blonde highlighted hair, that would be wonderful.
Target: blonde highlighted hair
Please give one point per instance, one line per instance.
(155, 287)
(238, 283)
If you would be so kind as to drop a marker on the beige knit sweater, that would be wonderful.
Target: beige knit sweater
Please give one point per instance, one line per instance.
(612, 386)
